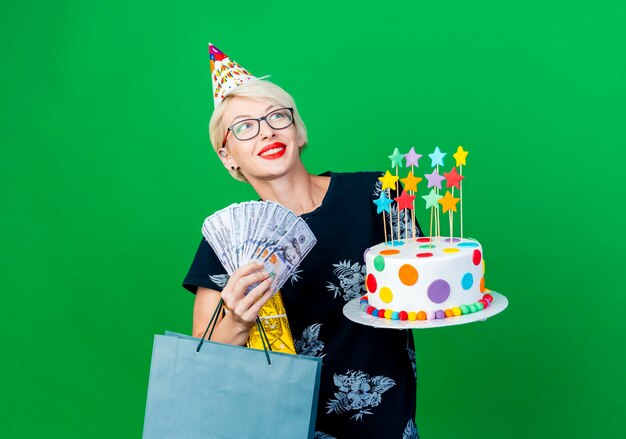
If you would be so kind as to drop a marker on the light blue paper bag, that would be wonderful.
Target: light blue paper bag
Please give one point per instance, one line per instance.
(226, 391)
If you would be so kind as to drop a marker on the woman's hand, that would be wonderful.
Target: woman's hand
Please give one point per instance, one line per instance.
(243, 309)
(235, 327)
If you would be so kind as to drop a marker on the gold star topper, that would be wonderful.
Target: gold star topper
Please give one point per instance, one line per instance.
(410, 182)
(389, 181)
(448, 202)
(460, 155)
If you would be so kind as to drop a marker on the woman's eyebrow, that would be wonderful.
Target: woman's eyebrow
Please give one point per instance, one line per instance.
(243, 116)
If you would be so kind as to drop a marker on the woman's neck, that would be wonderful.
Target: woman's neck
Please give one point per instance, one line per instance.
(298, 191)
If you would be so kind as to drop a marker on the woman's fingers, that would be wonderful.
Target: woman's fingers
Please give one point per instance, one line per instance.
(247, 309)
(256, 298)
(240, 280)
(245, 270)
(245, 282)
(244, 308)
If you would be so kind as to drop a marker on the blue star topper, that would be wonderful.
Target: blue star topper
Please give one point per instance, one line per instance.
(437, 157)
(383, 203)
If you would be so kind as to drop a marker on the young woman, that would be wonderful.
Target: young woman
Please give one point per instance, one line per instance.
(368, 383)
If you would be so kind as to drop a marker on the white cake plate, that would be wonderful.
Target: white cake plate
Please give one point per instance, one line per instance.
(352, 310)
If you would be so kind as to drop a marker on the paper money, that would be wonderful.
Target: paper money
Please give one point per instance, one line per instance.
(262, 231)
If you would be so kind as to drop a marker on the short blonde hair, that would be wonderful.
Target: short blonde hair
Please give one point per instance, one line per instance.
(255, 89)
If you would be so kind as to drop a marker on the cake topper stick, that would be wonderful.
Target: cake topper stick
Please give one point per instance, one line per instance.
(461, 200)
(448, 203)
(451, 224)
(412, 159)
(413, 220)
(460, 156)
(406, 226)
(398, 210)
(390, 218)
(385, 229)
(430, 236)
(388, 181)
(438, 232)
(396, 161)
(453, 180)
(382, 205)
(437, 223)
(437, 159)
(405, 201)
(432, 203)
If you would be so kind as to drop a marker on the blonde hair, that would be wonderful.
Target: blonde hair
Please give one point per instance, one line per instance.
(255, 89)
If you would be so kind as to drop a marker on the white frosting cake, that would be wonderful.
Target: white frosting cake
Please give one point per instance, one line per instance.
(425, 279)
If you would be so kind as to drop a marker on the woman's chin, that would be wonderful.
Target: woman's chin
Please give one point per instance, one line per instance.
(277, 167)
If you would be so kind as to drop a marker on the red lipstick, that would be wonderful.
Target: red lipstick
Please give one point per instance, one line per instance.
(273, 151)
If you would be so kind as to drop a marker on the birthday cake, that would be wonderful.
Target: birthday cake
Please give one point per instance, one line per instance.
(423, 278)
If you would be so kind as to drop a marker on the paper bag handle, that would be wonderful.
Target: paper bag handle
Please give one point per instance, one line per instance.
(213, 323)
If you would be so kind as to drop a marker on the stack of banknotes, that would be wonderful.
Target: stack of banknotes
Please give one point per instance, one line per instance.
(261, 231)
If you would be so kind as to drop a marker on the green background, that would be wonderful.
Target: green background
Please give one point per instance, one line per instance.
(106, 174)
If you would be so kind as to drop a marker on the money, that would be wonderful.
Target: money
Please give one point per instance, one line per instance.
(262, 231)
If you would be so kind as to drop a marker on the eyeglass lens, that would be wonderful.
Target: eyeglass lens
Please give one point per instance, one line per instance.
(249, 128)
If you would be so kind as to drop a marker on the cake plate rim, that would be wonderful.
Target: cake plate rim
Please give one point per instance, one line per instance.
(352, 311)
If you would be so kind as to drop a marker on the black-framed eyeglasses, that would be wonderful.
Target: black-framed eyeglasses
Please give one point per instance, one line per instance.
(247, 129)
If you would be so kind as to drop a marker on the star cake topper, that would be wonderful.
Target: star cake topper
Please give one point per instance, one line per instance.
(396, 158)
(460, 155)
(382, 203)
(388, 180)
(437, 157)
(412, 158)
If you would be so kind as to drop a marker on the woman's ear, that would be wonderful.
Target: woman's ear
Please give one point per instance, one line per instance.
(300, 142)
(226, 159)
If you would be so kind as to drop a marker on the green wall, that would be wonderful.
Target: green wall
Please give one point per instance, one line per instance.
(106, 173)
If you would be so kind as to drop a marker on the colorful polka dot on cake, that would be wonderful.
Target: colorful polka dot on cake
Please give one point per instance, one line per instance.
(379, 263)
(386, 295)
(467, 281)
(477, 257)
(389, 252)
(371, 284)
(467, 244)
(408, 274)
(438, 291)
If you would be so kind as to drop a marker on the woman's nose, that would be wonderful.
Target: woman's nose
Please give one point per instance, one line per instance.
(266, 130)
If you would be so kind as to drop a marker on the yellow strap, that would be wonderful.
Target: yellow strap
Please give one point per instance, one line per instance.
(276, 326)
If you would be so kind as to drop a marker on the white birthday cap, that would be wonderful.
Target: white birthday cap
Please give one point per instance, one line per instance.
(226, 74)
